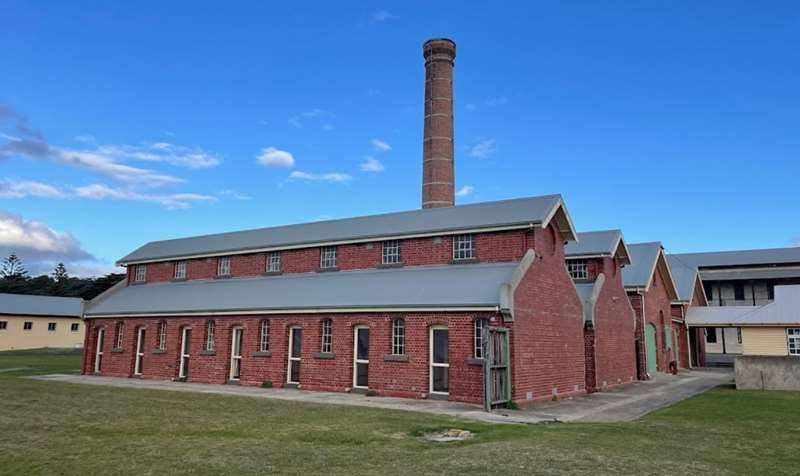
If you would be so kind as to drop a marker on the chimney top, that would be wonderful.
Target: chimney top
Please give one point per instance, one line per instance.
(439, 49)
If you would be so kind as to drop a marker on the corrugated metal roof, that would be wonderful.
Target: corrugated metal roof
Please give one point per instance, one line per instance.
(21, 304)
(435, 286)
(516, 212)
(781, 312)
(734, 274)
(643, 263)
(742, 257)
(595, 243)
(684, 277)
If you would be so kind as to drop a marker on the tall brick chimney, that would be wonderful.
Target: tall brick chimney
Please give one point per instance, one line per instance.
(438, 172)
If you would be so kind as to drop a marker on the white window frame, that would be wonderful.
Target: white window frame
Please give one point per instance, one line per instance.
(120, 328)
(140, 274)
(326, 331)
(180, 270)
(75, 327)
(479, 326)
(578, 268)
(433, 364)
(291, 351)
(211, 329)
(793, 337)
(51, 326)
(263, 336)
(356, 360)
(390, 252)
(399, 336)
(463, 247)
(224, 266)
(139, 359)
(98, 352)
(274, 262)
(162, 336)
(327, 257)
(236, 354)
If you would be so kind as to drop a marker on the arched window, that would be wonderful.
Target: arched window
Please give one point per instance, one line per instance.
(263, 339)
(398, 337)
(161, 343)
(480, 325)
(210, 330)
(327, 336)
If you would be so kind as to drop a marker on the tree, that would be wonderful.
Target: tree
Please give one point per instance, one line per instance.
(12, 268)
(60, 273)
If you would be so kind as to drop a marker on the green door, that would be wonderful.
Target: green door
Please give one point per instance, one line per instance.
(650, 343)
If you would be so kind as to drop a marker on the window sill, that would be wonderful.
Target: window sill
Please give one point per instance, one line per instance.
(263, 354)
(327, 270)
(465, 261)
(474, 361)
(160, 351)
(272, 273)
(324, 355)
(395, 358)
(390, 265)
(208, 352)
(117, 350)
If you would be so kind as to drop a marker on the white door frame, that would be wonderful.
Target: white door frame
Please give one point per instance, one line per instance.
(432, 364)
(98, 354)
(236, 334)
(139, 359)
(184, 353)
(291, 349)
(356, 360)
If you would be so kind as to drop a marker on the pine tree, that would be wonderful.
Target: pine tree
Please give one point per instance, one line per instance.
(12, 268)
(60, 273)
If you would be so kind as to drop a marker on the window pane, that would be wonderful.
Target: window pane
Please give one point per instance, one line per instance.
(440, 346)
(363, 344)
(297, 342)
(440, 383)
(362, 372)
(295, 371)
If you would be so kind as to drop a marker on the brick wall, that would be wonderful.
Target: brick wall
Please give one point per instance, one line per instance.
(490, 247)
(589, 356)
(406, 379)
(657, 307)
(547, 332)
(614, 329)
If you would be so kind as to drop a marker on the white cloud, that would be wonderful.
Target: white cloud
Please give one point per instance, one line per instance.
(180, 156)
(382, 15)
(234, 194)
(795, 242)
(334, 177)
(27, 188)
(496, 101)
(380, 145)
(171, 201)
(470, 107)
(465, 190)
(298, 120)
(39, 246)
(371, 164)
(482, 149)
(272, 157)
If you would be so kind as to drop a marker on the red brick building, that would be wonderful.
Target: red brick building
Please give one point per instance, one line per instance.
(395, 304)
(651, 291)
(595, 264)
(690, 341)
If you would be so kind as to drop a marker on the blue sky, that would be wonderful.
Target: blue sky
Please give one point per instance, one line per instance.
(674, 121)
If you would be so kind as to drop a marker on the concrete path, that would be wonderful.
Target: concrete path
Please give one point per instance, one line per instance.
(625, 404)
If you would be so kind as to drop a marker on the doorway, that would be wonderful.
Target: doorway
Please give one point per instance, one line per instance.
(137, 367)
(236, 354)
(361, 357)
(98, 353)
(440, 364)
(186, 341)
(650, 346)
(295, 349)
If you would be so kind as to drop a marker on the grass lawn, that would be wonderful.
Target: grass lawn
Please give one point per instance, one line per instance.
(55, 428)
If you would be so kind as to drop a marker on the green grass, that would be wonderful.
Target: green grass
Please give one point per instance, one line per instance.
(54, 428)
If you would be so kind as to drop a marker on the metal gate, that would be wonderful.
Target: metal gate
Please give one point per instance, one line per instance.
(496, 367)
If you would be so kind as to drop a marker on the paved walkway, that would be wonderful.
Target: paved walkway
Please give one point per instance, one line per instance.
(625, 404)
